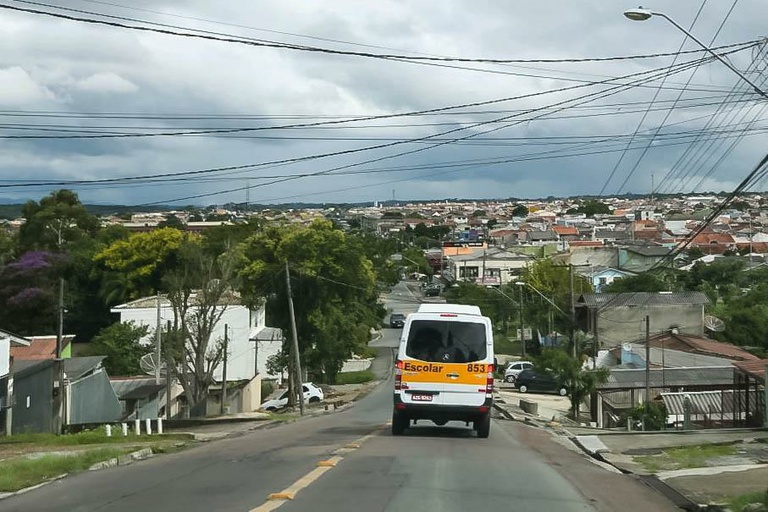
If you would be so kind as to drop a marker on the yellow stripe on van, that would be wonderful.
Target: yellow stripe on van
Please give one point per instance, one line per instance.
(415, 370)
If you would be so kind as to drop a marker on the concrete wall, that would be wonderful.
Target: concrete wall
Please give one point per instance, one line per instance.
(616, 325)
(356, 365)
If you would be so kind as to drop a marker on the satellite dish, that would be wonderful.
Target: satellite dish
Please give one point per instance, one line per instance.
(714, 324)
(149, 363)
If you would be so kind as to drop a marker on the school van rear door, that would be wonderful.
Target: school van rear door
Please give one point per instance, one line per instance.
(448, 360)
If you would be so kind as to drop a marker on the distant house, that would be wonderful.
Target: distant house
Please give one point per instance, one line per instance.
(491, 267)
(250, 341)
(601, 276)
(43, 347)
(640, 258)
(711, 242)
(616, 318)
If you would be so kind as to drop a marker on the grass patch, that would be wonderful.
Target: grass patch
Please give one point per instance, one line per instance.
(685, 457)
(355, 377)
(738, 503)
(97, 436)
(19, 473)
(504, 345)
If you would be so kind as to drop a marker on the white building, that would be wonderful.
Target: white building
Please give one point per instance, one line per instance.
(250, 342)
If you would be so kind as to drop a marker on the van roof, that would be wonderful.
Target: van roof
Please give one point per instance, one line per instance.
(462, 309)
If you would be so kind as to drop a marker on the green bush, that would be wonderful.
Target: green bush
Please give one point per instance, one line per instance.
(355, 377)
(267, 388)
(656, 419)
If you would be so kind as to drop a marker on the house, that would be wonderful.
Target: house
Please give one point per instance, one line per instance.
(8, 343)
(88, 396)
(640, 258)
(711, 242)
(43, 347)
(616, 318)
(250, 342)
(600, 276)
(495, 266)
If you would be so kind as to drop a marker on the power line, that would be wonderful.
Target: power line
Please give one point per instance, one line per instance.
(217, 36)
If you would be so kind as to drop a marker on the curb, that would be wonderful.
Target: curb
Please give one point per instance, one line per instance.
(123, 460)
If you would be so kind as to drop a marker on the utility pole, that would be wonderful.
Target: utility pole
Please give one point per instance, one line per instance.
(168, 376)
(647, 364)
(573, 314)
(58, 385)
(294, 342)
(522, 330)
(224, 370)
(158, 336)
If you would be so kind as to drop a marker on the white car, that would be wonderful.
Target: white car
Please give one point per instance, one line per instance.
(514, 368)
(312, 394)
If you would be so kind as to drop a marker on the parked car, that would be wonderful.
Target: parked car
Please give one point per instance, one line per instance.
(312, 394)
(396, 320)
(542, 382)
(514, 368)
(432, 290)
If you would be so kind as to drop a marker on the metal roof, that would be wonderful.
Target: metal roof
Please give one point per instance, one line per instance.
(712, 403)
(630, 299)
(76, 367)
(670, 377)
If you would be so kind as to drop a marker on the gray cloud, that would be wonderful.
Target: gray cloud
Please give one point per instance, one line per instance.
(70, 67)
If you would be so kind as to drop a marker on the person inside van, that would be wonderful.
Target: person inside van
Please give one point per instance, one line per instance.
(426, 343)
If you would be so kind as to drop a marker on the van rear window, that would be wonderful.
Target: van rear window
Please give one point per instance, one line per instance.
(446, 342)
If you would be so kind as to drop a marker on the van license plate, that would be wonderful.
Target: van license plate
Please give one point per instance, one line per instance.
(421, 398)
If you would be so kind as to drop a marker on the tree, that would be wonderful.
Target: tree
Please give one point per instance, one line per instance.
(172, 221)
(29, 289)
(334, 292)
(141, 260)
(593, 207)
(520, 210)
(120, 343)
(8, 245)
(57, 219)
(644, 282)
(200, 289)
(571, 373)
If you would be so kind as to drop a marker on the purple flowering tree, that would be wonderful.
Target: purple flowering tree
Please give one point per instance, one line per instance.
(29, 293)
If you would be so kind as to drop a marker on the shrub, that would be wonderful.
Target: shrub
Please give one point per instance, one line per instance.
(355, 377)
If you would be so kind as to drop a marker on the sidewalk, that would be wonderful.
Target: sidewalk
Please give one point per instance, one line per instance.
(717, 464)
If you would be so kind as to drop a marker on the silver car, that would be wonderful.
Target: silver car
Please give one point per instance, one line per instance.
(514, 368)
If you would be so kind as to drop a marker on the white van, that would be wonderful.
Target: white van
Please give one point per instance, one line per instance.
(444, 368)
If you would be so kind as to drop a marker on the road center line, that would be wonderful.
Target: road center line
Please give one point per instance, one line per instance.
(276, 499)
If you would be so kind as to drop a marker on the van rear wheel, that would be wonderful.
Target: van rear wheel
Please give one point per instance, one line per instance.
(399, 423)
(483, 426)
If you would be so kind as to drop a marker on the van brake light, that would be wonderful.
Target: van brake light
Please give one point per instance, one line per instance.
(398, 374)
(452, 315)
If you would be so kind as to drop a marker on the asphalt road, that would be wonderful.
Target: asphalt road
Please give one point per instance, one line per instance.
(363, 468)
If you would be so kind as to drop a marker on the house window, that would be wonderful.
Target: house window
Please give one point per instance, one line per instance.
(603, 280)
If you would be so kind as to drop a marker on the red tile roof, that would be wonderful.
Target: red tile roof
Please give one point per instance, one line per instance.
(565, 230)
(711, 238)
(40, 348)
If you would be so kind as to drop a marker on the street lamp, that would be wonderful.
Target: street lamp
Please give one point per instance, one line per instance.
(641, 14)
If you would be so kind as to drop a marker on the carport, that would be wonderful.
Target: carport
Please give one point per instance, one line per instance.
(749, 379)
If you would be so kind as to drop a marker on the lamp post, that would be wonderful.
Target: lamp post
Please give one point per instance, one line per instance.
(641, 14)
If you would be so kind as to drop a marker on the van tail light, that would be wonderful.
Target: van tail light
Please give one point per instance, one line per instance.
(489, 382)
(398, 375)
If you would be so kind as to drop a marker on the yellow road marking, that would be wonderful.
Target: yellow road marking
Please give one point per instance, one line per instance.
(276, 499)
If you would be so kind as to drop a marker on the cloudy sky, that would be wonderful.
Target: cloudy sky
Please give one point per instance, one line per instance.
(141, 116)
